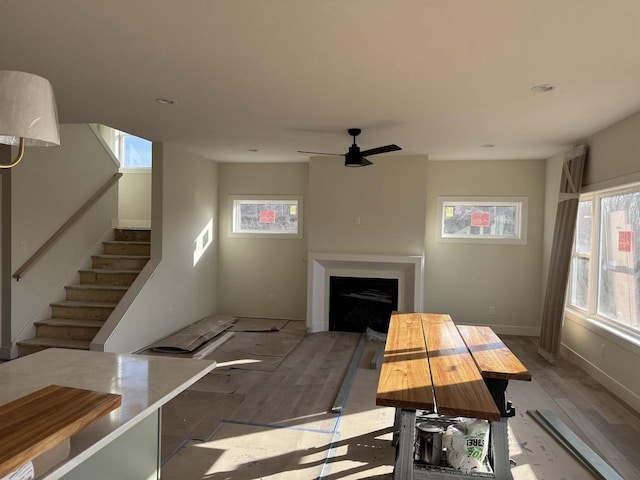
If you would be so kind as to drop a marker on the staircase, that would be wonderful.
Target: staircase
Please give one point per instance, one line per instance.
(75, 321)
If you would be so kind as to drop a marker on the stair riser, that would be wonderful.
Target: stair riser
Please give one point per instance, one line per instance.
(82, 313)
(127, 249)
(28, 349)
(24, 350)
(113, 278)
(66, 332)
(126, 235)
(119, 263)
(100, 296)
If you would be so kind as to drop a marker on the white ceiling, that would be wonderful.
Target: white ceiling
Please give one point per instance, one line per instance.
(441, 78)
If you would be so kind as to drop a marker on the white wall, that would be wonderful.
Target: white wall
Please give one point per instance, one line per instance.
(465, 279)
(134, 198)
(46, 192)
(614, 157)
(178, 293)
(387, 197)
(393, 199)
(252, 269)
(614, 152)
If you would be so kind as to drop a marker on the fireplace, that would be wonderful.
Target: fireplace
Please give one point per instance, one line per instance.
(407, 270)
(358, 303)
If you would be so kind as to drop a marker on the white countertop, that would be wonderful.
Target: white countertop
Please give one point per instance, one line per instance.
(145, 383)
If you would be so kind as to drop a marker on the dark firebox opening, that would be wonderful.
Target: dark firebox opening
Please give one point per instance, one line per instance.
(356, 303)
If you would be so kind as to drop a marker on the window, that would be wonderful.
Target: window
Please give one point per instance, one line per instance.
(605, 266)
(131, 153)
(266, 216)
(482, 219)
(136, 152)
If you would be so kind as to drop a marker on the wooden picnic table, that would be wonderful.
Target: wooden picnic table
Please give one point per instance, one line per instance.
(458, 371)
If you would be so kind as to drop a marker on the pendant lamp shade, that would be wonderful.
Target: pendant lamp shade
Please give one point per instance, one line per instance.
(27, 110)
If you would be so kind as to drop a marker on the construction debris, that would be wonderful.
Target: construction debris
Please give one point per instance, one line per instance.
(194, 336)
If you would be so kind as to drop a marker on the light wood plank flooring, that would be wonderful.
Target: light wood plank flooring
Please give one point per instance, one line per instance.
(598, 417)
(264, 413)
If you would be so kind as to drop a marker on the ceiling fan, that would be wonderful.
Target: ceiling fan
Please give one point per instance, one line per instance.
(354, 157)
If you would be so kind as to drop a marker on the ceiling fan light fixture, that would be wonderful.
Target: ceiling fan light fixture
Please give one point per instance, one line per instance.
(355, 157)
(356, 161)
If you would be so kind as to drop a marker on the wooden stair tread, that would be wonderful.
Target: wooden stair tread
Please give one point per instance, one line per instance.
(122, 255)
(127, 242)
(80, 303)
(107, 270)
(35, 423)
(56, 342)
(70, 322)
(98, 286)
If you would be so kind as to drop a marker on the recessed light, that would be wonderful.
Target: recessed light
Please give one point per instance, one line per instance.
(165, 101)
(543, 88)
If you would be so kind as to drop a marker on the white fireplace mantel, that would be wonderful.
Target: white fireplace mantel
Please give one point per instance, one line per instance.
(408, 269)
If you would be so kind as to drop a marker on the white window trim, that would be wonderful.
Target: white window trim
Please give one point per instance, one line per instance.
(146, 170)
(266, 199)
(617, 332)
(605, 328)
(521, 201)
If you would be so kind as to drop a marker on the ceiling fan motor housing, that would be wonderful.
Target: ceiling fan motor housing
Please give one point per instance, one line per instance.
(353, 158)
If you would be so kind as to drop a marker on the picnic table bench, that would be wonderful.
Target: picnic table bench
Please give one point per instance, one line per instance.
(457, 371)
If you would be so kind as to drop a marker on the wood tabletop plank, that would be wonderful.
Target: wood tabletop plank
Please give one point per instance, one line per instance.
(494, 359)
(405, 379)
(37, 422)
(458, 385)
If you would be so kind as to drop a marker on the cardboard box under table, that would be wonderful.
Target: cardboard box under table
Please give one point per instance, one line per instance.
(432, 365)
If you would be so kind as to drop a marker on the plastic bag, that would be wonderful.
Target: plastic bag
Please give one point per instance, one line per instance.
(467, 443)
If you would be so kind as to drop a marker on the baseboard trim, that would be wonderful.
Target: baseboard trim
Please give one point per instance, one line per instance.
(8, 353)
(118, 223)
(618, 389)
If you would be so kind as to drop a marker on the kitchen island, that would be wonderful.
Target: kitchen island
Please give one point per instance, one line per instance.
(124, 444)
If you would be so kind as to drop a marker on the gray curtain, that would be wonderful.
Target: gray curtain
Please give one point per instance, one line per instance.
(559, 263)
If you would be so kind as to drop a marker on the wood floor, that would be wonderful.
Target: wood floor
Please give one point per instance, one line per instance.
(609, 426)
(265, 413)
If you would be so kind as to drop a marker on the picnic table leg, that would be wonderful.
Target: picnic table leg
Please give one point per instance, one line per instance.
(404, 450)
(499, 430)
(396, 427)
(500, 448)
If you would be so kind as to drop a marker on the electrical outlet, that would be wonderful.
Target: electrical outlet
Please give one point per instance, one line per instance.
(271, 298)
(492, 310)
(23, 246)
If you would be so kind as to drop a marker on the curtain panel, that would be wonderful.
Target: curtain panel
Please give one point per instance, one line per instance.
(560, 260)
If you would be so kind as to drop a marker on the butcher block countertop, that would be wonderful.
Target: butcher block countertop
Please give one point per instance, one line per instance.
(37, 422)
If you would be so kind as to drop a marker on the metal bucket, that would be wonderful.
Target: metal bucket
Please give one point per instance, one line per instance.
(428, 447)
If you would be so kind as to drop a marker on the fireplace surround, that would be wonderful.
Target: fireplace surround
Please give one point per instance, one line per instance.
(407, 269)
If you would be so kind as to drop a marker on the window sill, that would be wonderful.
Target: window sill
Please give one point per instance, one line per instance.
(135, 170)
(624, 339)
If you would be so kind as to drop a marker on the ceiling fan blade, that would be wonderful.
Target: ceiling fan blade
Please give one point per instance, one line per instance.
(322, 153)
(385, 149)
